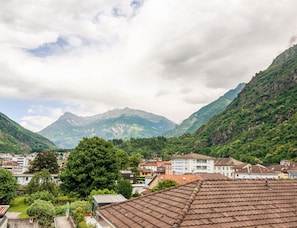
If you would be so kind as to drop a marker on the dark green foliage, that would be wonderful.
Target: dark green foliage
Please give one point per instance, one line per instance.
(92, 165)
(41, 195)
(44, 211)
(41, 181)
(16, 139)
(8, 186)
(124, 187)
(164, 184)
(45, 160)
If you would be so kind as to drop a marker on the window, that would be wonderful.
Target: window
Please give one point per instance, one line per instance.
(199, 167)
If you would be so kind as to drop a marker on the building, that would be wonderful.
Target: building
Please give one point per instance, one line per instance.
(227, 166)
(255, 171)
(25, 178)
(192, 163)
(210, 203)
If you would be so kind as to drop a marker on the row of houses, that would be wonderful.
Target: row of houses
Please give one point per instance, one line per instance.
(229, 167)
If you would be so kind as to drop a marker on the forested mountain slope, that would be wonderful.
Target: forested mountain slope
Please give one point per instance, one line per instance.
(16, 139)
(197, 119)
(259, 126)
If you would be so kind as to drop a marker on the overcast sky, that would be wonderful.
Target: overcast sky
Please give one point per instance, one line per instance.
(168, 57)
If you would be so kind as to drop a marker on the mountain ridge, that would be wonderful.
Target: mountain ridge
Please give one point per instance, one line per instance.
(197, 119)
(16, 139)
(124, 123)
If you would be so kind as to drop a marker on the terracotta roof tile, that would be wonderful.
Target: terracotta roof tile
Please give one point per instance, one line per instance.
(194, 156)
(211, 203)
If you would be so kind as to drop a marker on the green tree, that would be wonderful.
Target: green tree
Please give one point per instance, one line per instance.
(42, 181)
(164, 184)
(41, 195)
(124, 187)
(123, 159)
(92, 165)
(8, 186)
(45, 160)
(44, 211)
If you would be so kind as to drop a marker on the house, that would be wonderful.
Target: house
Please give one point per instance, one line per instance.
(255, 171)
(25, 178)
(227, 166)
(3, 218)
(129, 175)
(210, 203)
(192, 163)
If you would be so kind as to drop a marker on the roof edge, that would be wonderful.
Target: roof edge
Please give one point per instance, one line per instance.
(188, 204)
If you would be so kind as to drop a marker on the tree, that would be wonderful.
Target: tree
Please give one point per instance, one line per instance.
(42, 195)
(164, 184)
(8, 186)
(123, 159)
(124, 187)
(45, 160)
(92, 165)
(44, 211)
(42, 181)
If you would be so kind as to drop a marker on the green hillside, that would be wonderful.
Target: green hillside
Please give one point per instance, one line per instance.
(259, 126)
(197, 119)
(16, 139)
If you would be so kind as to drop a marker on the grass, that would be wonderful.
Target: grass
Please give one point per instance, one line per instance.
(18, 205)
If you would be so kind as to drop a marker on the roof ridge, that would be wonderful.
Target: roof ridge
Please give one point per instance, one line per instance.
(187, 206)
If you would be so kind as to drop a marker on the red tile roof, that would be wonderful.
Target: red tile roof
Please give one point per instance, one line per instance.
(3, 209)
(211, 203)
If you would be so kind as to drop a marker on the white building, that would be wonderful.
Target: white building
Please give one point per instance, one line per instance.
(227, 166)
(255, 171)
(192, 163)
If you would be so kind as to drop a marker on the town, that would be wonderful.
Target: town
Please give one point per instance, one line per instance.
(182, 170)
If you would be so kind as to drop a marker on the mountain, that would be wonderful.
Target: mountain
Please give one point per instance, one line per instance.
(16, 139)
(125, 123)
(197, 119)
(260, 125)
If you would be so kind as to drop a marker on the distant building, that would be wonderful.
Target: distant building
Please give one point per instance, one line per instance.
(192, 163)
(129, 175)
(227, 166)
(254, 171)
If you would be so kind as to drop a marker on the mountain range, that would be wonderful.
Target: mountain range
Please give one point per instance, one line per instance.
(125, 123)
(258, 126)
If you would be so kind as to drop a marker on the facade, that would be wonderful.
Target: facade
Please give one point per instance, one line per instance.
(192, 163)
(255, 171)
(24, 179)
(227, 166)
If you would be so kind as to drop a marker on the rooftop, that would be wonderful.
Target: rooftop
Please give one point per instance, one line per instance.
(227, 162)
(109, 198)
(3, 209)
(211, 203)
(194, 156)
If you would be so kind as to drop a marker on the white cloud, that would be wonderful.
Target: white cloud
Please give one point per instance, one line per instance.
(168, 57)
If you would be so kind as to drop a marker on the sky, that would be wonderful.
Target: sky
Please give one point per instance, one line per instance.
(167, 57)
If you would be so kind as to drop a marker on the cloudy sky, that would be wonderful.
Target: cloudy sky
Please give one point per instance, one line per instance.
(168, 57)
